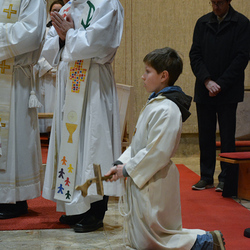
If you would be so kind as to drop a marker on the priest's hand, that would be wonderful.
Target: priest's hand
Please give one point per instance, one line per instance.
(116, 171)
(61, 25)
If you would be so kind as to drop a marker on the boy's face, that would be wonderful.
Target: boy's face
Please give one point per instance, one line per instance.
(153, 82)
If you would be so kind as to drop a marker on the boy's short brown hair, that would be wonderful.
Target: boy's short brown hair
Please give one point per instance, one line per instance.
(165, 59)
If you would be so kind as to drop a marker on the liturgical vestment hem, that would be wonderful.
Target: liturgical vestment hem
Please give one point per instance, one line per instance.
(21, 180)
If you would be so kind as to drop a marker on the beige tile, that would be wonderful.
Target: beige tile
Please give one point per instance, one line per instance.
(193, 163)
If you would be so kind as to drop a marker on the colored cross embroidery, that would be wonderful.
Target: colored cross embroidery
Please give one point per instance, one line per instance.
(3, 66)
(10, 11)
(61, 173)
(77, 76)
(60, 189)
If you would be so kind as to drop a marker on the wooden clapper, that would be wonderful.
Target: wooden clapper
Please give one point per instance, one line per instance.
(98, 179)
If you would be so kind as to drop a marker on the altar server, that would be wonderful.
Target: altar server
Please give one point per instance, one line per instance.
(152, 202)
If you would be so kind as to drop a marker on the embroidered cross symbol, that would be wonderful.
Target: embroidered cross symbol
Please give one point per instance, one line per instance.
(10, 11)
(2, 124)
(77, 75)
(3, 66)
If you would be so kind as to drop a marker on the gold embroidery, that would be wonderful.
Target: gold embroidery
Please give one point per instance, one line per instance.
(2, 124)
(10, 11)
(3, 67)
(71, 128)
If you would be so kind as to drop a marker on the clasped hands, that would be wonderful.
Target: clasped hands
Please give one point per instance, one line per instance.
(62, 25)
(213, 88)
(116, 171)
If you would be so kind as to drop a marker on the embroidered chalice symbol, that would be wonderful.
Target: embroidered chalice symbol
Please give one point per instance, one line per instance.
(72, 117)
(71, 129)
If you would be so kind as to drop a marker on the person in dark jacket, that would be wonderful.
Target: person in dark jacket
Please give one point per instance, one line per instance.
(219, 56)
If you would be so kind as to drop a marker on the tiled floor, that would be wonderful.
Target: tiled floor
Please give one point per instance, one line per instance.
(110, 237)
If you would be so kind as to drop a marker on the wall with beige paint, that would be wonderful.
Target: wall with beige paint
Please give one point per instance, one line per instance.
(159, 23)
(151, 24)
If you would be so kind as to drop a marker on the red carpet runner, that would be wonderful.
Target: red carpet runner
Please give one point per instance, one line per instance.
(209, 211)
(205, 209)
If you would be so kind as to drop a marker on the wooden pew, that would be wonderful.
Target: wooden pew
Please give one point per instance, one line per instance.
(239, 145)
(243, 159)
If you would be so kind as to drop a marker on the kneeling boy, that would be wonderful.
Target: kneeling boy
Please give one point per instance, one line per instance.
(152, 191)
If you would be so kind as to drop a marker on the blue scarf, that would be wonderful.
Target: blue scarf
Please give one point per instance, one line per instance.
(166, 89)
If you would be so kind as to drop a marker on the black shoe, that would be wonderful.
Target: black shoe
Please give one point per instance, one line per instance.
(88, 224)
(220, 187)
(71, 219)
(201, 185)
(247, 232)
(8, 211)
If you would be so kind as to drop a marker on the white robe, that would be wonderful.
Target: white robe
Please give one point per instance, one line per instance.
(45, 78)
(100, 130)
(21, 180)
(153, 195)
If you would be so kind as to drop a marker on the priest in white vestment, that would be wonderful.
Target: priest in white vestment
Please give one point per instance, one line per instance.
(22, 27)
(152, 201)
(95, 37)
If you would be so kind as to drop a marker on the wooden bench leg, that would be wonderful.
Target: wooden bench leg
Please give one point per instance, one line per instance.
(244, 181)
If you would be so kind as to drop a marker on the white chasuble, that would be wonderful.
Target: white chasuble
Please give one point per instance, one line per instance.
(95, 37)
(9, 12)
(21, 40)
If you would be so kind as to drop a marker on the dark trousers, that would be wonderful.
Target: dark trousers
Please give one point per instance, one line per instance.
(99, 208)
(208, 115)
